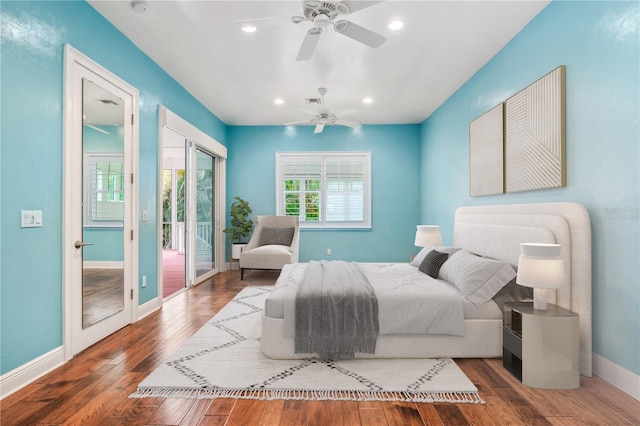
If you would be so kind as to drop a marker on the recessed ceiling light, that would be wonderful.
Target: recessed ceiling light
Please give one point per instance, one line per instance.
(278, 101)
(249, 28)
(396, 25)
(367, 100)
(139, 6)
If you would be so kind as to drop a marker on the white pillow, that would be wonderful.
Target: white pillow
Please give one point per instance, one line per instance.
(477, 278)
(423, 253)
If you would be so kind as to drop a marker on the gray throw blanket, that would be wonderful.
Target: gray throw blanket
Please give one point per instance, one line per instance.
(336, 311)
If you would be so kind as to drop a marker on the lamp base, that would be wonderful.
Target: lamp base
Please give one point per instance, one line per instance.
(540, 299)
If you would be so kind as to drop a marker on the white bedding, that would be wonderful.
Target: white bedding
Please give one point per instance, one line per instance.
(409, 301)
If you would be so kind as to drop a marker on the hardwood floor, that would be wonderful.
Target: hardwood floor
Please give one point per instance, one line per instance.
(93, 388)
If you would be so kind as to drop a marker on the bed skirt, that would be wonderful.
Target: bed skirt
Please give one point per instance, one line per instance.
(482, 339)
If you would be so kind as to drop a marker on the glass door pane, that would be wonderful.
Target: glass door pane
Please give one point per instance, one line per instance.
(204, 235)
(174, 241)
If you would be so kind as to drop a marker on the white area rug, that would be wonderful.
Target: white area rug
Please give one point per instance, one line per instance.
(223, 359)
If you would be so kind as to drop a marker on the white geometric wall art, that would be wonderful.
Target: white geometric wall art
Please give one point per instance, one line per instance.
(486, 153)
(535, 135)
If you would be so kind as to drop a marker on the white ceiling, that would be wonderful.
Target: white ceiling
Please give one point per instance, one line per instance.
(237, 75)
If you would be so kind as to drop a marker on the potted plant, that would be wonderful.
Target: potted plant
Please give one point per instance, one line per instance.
(241, 225)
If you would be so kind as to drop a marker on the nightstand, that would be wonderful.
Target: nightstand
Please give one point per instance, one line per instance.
(541, 348)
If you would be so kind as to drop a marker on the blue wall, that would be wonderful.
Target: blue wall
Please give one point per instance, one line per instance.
(395, 162)
(33, 39)
(599, 44)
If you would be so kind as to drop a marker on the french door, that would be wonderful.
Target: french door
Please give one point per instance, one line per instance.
(99, 243)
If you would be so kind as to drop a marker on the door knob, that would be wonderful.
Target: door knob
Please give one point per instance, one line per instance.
(80, 244)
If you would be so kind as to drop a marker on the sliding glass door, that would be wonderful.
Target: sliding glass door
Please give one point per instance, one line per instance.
(205, 253)
(189, 205)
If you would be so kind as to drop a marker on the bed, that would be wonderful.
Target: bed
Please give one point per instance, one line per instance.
(493, 232)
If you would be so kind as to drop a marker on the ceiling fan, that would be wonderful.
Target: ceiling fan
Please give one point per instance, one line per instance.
(325, 117)
(322, 14)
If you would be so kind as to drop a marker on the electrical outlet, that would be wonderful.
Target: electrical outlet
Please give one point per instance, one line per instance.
(144, 281)
(329, 252)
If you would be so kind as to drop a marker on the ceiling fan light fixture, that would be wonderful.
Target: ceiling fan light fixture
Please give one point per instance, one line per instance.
(342, 8)
(340, 26)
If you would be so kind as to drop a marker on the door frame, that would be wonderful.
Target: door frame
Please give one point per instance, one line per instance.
(75, 65)
(177, 124)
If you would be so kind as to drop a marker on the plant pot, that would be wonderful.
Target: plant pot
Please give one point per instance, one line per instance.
(236, 249)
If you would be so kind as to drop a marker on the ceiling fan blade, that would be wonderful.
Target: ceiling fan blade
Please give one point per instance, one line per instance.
(359, 33)
(354, 6)
(263, 22)
(309, 44)
(319, 128)
(347, 123)
(299, 122)
(347, 111)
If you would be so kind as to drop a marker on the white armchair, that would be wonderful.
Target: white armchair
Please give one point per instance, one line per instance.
(273, 244)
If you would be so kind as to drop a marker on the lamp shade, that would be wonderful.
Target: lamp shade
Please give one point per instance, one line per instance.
(427, 235)
(540, 266)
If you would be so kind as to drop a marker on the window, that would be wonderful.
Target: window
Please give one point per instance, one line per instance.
(104, 190)
(325, 189)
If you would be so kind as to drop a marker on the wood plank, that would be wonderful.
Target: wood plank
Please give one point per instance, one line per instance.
(450, 414)
(502, 412)
(248, 412)
(343, 413)
(171, 412)
(624, 404)
(478, 414)
(196, 412)
(213, 421)
(294, 412)
(428, 413)
(138, 415)
(373, 417)
(527, 412)
(402, 413)
(103, 404)
(273, 412)
(221, 407)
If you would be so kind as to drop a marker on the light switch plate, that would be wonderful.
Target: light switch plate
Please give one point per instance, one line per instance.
(31, 218)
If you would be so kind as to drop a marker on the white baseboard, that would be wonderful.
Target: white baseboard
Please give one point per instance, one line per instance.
(27, 373)
(148, 308)
(619, 377)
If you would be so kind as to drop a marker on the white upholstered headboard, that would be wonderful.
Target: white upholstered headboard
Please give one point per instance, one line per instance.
(497, 231)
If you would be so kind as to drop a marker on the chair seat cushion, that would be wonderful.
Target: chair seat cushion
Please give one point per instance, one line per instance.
(266, 257)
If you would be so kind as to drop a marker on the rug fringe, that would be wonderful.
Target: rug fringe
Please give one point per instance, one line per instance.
(301, 394)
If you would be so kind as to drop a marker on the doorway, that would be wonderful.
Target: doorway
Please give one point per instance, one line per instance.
(192, 199)
(100, 244)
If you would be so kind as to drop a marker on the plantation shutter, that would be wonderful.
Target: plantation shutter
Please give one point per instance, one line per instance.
(345, 188)
(301, 180)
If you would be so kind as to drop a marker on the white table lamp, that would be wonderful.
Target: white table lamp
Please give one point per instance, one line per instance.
(540, 267)
(427, 235)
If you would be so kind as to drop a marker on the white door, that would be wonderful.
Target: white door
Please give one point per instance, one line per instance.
(100, 247)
